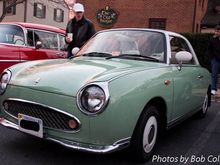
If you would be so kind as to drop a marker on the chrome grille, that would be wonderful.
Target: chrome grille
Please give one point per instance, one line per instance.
(51, 118)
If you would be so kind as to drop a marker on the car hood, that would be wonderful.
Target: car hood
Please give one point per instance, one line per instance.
(68, 76)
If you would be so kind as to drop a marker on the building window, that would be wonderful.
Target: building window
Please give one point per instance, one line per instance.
(9, 10)
(58, 15)
(39, 10)
(157, 23)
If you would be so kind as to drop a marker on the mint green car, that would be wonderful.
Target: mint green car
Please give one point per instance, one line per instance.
(121, 89)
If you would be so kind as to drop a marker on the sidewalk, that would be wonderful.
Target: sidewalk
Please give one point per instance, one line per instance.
(216, 98)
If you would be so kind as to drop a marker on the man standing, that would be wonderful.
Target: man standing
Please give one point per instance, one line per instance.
(214, 52)
(79, 29)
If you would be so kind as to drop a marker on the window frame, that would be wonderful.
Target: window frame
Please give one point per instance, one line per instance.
(56, 17)
(39, 13)
(158, 23)
(60, 46)
(182, 44)
(46, 46)
(11, 10)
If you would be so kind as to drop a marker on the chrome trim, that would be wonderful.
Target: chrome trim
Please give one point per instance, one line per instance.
(13, 60)
(93, 148)
(7, 123)
(45, 106)
(14, 45)
(118, 145)
(6, 71)
(103, 86)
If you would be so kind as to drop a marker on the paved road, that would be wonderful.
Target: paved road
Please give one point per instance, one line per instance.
(193, 141)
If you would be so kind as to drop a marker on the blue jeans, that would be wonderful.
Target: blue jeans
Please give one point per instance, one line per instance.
(215, 72)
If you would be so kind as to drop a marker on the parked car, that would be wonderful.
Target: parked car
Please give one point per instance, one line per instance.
(21, 42)
(121, 89)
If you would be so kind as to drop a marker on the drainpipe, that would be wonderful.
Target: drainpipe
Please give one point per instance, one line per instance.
(194, 16)
(25, 11)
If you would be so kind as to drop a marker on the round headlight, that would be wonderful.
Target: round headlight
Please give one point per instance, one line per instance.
(93, 98)
(5, 78)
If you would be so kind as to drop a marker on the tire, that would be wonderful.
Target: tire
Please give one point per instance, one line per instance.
(145, 136)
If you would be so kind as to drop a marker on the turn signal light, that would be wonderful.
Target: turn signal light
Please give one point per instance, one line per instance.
(73, 124)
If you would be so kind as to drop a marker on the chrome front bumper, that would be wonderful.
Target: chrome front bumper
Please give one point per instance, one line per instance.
(123, 143)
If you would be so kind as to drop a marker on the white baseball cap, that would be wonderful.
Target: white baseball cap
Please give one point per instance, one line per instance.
(78, 7)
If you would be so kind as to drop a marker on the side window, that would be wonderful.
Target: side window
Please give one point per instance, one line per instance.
(48, 40)
(11, 34)
(63, 45)
(176, 45)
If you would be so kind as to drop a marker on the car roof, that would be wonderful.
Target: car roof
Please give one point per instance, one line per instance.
(146, 29)
(36, 26)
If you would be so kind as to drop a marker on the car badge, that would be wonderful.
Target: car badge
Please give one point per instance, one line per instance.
(37, 80)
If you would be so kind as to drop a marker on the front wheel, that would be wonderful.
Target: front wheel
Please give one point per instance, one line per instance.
(145, 136)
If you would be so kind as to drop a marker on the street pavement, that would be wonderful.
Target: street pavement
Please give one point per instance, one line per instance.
(216, 98)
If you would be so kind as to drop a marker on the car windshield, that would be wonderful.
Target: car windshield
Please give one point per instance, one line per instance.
(11, 34)
(129, 44)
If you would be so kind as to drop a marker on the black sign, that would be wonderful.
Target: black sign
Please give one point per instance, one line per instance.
(107, 17)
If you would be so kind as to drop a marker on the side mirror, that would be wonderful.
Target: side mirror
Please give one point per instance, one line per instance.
(183, 57)
(38, 45)
(75, 51)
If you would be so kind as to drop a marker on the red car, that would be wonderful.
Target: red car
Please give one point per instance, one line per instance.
(20, 42)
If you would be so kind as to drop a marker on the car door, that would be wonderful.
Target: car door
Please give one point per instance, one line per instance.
(188, 87)
(11, 41)
(49, 48)
(9, 56)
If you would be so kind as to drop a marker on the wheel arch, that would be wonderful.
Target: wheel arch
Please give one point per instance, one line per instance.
(161, 106)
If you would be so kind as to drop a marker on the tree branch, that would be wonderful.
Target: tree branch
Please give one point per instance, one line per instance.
(9, 6)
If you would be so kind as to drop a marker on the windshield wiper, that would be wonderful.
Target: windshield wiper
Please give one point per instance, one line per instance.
(93, 54)
(97, 54)
(134, 56)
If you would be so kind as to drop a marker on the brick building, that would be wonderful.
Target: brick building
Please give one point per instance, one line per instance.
(173, 15)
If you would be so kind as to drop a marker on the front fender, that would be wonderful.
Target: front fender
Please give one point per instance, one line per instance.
(128, 98)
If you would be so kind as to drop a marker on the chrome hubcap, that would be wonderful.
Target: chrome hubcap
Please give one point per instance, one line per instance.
(150, 134)
(205, 104)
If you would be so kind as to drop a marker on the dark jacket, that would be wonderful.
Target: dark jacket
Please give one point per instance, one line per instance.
(213, 49)
(82, 31)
